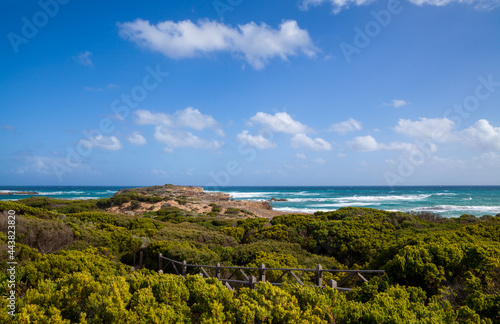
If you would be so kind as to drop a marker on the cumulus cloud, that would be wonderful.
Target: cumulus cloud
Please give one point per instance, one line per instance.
(304, 141)
(109, 143)
(169, 128)
(301, 156)
(477, 4)
(434, 128)
(396, 103)
(338, 5)
(193, 118)
(186, 118)
(136, 139)
(145, 117)
(258, 141)
(368, 144)
(350, 125)
(84, 59)
(254, 43)
(482, 135)
(363, 144)
(177, 138)
(280, 122)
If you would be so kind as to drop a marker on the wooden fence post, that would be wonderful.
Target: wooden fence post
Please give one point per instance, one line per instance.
(251, 282)
(160, 262)
(332, 283)
(319, 275)
(141, 258)
(217, 270)
(184, 268)
(134, 257)
(262, 272)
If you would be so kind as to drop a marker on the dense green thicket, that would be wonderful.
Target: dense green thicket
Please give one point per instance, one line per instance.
(74, 265)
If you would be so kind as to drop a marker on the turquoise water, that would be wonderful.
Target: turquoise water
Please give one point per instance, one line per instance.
(62, 192)
(449, 201)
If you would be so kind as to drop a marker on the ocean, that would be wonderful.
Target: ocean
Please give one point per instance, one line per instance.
(449, 201)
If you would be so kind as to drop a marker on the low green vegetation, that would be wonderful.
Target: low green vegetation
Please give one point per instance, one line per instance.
(75, 265)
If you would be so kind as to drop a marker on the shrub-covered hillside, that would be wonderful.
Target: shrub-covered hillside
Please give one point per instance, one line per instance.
(74, 265)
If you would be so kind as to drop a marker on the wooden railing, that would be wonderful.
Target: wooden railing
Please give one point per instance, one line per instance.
(240, 275)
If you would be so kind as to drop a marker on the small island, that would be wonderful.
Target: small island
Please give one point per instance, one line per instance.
(15, 193)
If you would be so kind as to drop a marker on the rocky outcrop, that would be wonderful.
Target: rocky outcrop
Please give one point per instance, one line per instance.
(278, 199)
(173, 191)
(195, 199)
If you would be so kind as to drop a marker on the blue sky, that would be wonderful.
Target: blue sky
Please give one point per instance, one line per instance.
(239, 92)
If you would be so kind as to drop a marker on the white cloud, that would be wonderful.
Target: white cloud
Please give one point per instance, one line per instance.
(145, 117)
(84, 59)
(338, 5)
(256, 44)
(363, 144)
(280, 122)
(319, 161)
(486, 160)
(438, 129)
(410, 147)
(168, 128)
(110, 143)
(368, 144)
(347, 126)
(33, 164)
(301, 156)
(136, 139)
(186, 118)
(193, 118)
(482, 135)
(396, 103)
(258, 141)
(176, 138)
(478, 4)
(317, 144)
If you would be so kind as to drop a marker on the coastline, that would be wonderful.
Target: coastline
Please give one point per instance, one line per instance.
(449, 201)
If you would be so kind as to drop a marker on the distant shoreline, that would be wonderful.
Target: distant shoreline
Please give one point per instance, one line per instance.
(448, 201)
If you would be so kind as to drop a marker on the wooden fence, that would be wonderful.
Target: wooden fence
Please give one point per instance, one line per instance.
(240, 275)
